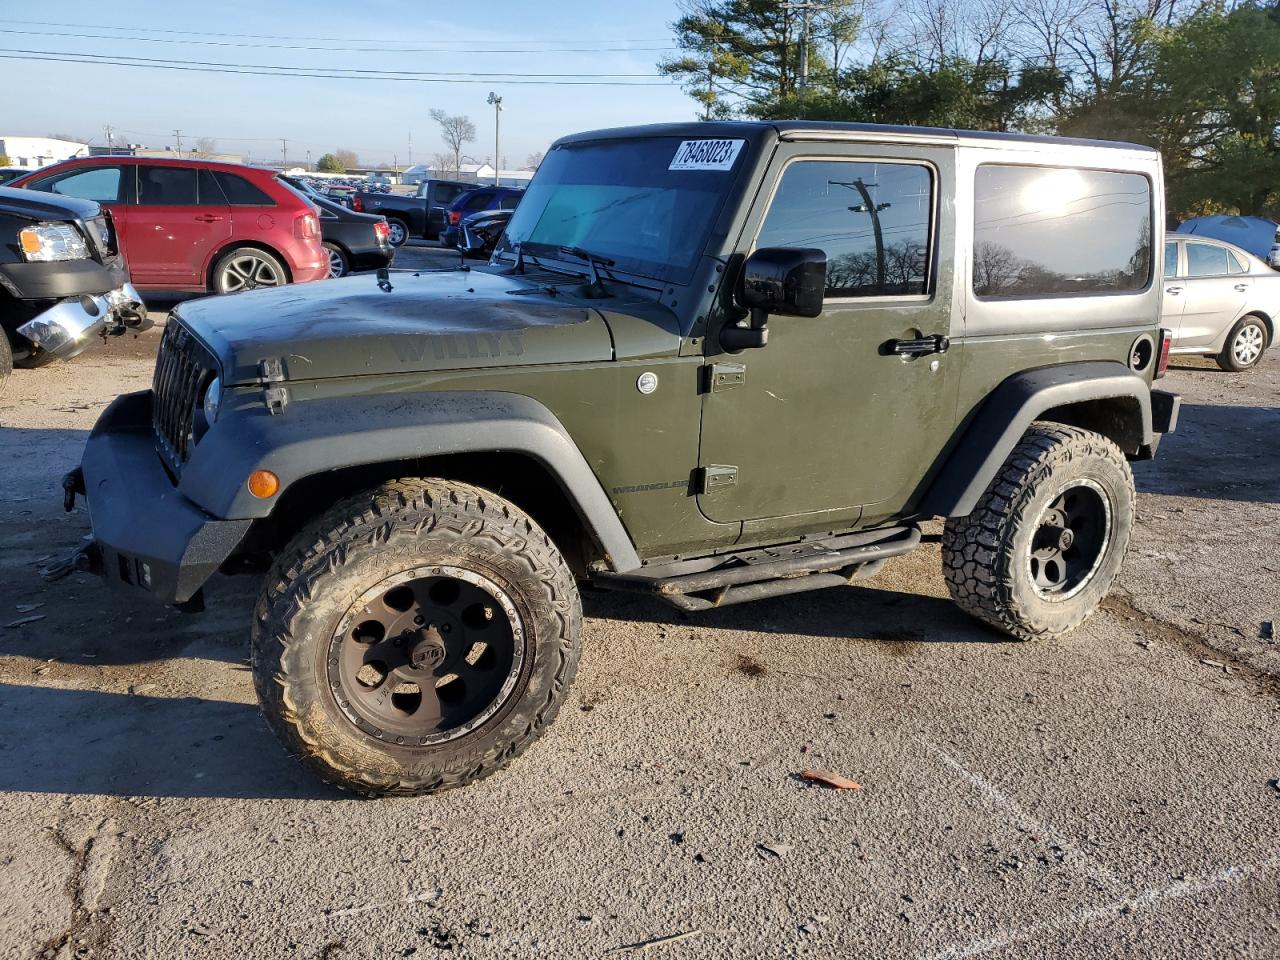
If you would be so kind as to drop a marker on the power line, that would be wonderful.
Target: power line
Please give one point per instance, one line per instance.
(286, 70)
(343, 49)
(266, 36)
(52, 56)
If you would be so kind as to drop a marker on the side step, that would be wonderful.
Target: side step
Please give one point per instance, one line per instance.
(770, 572)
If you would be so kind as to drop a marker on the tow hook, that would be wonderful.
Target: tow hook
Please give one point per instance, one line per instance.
(72, 483)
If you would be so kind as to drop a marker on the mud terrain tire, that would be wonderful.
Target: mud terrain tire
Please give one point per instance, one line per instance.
(386, 535)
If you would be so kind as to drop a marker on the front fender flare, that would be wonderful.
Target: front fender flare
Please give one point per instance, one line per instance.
(315, 436)
(1007, 413)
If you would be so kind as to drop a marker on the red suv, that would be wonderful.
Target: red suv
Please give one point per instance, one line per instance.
(197, 225)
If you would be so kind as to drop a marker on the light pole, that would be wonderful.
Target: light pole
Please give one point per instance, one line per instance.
(497, 124)
(869, 206)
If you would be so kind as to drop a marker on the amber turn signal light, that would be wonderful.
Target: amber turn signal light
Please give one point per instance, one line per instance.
(263, 484)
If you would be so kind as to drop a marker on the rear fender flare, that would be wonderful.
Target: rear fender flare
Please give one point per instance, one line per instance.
(1015, 404)
(313, 437)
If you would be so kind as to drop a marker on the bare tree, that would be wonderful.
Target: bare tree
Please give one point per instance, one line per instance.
(987, 30)
(348, 158)
(456, 131)
(444, 163)
(533, 161)
(205, 147)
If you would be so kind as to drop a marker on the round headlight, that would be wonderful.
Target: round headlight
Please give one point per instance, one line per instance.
(212, 399)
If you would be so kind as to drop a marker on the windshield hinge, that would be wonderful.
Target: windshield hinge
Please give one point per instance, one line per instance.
(274, 395)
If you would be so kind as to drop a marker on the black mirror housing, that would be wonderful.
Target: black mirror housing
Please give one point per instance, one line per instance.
(786, 280)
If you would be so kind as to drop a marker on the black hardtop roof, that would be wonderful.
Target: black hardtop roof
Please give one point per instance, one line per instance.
(756, 130)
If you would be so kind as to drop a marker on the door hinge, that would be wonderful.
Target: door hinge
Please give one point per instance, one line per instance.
(716, 477)
(725, 376)
(274, 395)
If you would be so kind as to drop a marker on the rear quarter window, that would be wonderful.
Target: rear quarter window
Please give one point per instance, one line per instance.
(240, 192)
(1060, 231)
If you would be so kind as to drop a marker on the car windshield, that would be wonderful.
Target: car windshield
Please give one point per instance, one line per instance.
(623, 200)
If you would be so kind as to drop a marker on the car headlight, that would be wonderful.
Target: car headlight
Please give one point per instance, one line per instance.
(47, 242)
(212, 400)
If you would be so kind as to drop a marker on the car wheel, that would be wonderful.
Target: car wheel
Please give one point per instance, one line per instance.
(397, 232)
(1245, 345)
(1042, 548)
(415, 637)
(339, 266)
(6, 361)
(247, 268)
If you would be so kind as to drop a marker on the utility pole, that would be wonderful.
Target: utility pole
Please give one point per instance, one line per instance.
(178, 136)
(284, 154)
(804, 9)
(497, 122)
(308, 161)
(111, 150)
(869, 206)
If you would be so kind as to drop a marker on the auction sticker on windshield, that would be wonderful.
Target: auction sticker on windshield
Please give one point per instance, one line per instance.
(706, 155)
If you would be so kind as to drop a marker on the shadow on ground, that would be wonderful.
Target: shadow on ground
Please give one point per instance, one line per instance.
(1218, 452)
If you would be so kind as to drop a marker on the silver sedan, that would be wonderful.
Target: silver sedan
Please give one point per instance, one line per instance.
(1219, 301)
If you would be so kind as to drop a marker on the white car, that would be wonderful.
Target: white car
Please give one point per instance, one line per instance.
(1219, 301)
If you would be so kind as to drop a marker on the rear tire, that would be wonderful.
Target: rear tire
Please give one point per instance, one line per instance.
(397, 231)
(333, 650)
(1046, 540)
(248, 268)
(1246, 343)
(339, 265)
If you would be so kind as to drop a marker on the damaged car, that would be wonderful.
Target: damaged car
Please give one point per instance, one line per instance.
(63, 281)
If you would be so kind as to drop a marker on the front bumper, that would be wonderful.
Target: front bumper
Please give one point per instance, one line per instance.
(148, 538)
(66, 328)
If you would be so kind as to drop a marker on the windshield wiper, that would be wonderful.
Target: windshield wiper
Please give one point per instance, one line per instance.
(595, 263)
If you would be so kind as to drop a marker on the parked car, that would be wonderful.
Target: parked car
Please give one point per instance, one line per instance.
(480, 233)
(420, 214)
(1219, 301)
(12, 173)
(195, 224)
(1257, 235)
(353, 241)
(710, 363)
(62, 279)
(475, 201)
(340, 193)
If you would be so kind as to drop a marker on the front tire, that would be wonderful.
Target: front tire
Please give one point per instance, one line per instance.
(415, 637)
(1046, 541)
(1245, 345)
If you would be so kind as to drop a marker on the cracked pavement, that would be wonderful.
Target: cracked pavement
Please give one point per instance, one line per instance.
(1109, 793)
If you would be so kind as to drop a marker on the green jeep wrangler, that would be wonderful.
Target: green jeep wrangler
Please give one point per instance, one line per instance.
(708, 362)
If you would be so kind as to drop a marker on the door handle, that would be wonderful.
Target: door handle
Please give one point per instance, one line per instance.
(208, 218)
(1173, 290)
(919, 347)
(1242, 287)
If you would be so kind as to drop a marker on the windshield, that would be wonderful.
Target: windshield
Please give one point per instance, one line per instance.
(622, 200)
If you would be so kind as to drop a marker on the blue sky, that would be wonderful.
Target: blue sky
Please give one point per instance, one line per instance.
(374, 118)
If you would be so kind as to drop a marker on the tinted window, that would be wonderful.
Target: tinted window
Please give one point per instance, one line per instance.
(478, 201)
(1060, 231)
(240, 192)
(1170, 259)
(509, 202)
(446, 193)
(99, 183)
(1206, 261)
(166, 186)
(1235, 264)
(872, 219)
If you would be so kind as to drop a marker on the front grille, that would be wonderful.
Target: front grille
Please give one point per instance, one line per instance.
(183, 369)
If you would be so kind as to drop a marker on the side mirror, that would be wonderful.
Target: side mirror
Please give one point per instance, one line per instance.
(789, 281)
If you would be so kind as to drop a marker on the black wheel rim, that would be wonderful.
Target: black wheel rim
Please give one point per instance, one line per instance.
(426, 656)
(1070, 540)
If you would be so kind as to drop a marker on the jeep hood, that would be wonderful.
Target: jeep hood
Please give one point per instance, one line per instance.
(426, 322)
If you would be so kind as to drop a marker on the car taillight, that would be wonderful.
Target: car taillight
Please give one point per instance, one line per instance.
(455, 217)
(306, 227)
(357, 204)
(1162, 362)
(381, 230)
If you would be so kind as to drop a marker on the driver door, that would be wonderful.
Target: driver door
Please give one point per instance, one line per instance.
(826, 420)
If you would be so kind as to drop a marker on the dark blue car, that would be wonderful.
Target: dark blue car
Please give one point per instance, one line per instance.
(473, 201)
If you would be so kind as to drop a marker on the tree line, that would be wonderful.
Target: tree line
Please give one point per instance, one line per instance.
(1198, 80)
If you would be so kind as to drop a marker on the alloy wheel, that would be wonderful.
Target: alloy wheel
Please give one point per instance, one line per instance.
(248, 272)
(426, 656)
(337, 265)
(1070, 539)
(396, 233)
(1248, 344)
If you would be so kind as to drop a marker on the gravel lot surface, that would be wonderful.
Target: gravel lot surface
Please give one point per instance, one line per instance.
(1112, 793)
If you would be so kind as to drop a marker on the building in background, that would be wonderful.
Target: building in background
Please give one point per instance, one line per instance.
(32, 153)
(471, 172)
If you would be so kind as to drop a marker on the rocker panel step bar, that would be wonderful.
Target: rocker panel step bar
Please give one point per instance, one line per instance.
(770, 572)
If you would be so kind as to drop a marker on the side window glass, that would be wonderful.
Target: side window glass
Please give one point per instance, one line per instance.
(1170, 259)
(480, 201)
(873, 220)
(1204, 260)
(210, 194)
(99, 183)
(240, 192)
(1235, 264)
(166, 186)
(509, 202)
(1060, 231)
